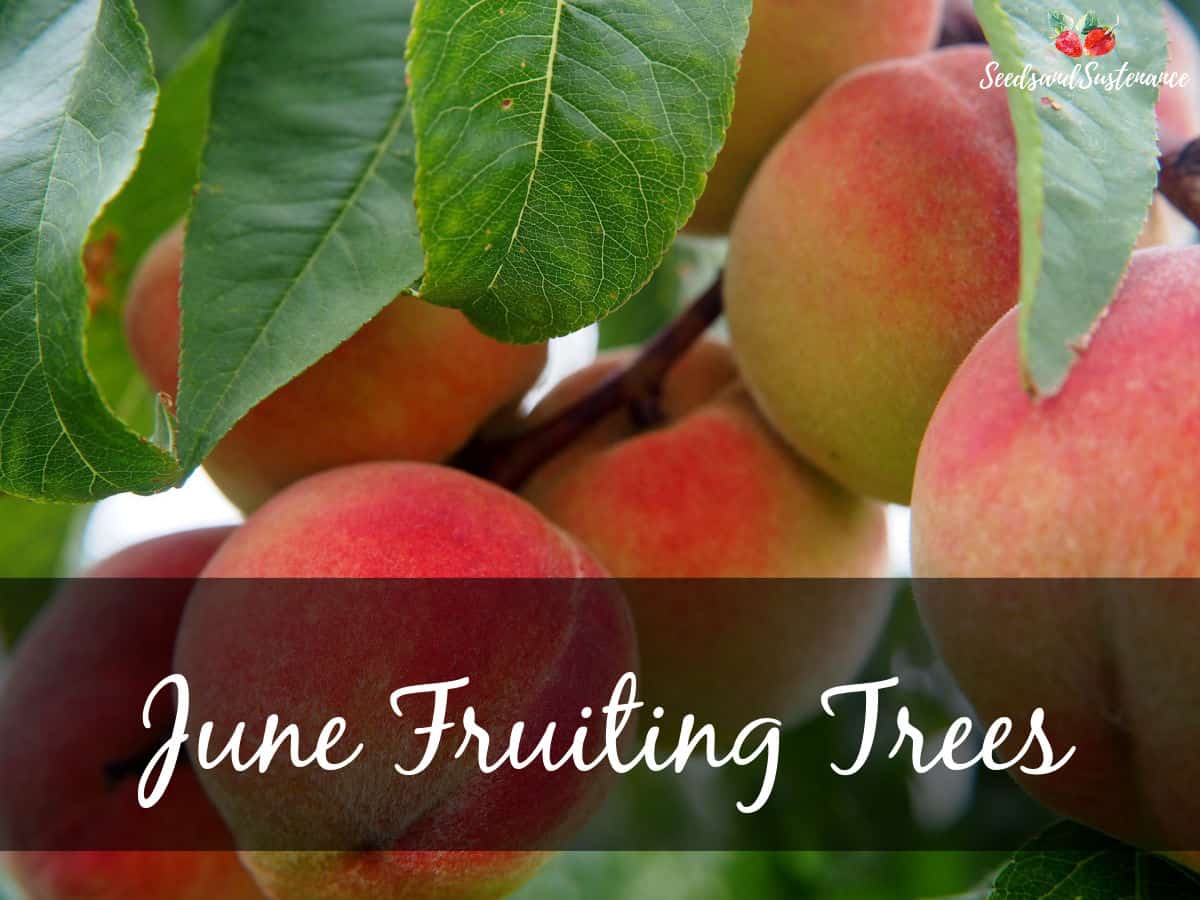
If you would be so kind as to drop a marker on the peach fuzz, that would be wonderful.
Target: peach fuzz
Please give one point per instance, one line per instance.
(70, 710)
(713, 494)
(1100, 481)
(538, 650)
(413, 384)
(862, 268)
(796, 49)
(1112, 448)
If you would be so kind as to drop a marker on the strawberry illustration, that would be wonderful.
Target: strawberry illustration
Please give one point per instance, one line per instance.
(1100, 41)
(1070, 44)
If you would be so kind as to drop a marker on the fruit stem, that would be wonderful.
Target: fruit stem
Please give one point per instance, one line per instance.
(647, 411)
(120, 770)
(1179, 180)
(960, 27)
(510, 462)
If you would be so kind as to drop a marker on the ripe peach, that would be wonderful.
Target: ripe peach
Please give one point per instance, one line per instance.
(1098, 482)
(513, 604)
(415, 383)
(863, 269)
(1179, 106)
(70, 713)
(795, 50)
(1128, 394)
(1178, 123)
(713, 494)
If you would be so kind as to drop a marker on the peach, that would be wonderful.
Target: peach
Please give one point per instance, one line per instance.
(413, 384)
(1179, 106)
(713, 494)
(863, 267)
(503, 598)
(795, 50)
(70, 713)
(1098, 482)
(1178, 123)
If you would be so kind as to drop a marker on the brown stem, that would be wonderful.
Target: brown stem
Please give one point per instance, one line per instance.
(117, 771)
(1179, 180)
(647, 410)
(961, 27)
(510, 462)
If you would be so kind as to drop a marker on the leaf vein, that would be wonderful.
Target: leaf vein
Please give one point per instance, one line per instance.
(368, 173)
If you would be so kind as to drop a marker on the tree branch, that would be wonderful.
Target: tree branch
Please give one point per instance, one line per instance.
(510, 462)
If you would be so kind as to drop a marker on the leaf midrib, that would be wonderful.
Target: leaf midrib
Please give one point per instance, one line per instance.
(539, 142)
(40, 365)
(368, 173)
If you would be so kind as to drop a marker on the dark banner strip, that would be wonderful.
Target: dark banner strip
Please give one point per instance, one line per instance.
(600, 715)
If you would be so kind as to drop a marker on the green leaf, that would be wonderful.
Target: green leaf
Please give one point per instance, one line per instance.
(1086, 176)
(690, 268)
(560, 146)
(303, 228)
(1088, 22)
(1069, 861)
(77, 96)
(663, 876)
(35, 537)
(1191, 10)
(1058, 23)
(980, 894)
(176, 26)
(37, 541)
(156, 197)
